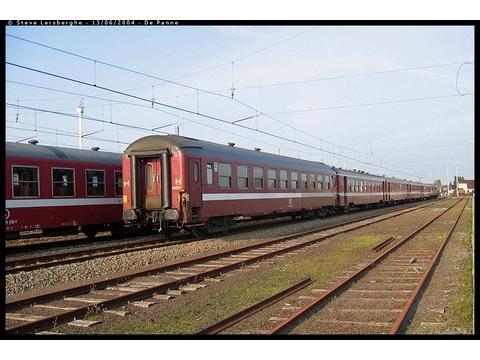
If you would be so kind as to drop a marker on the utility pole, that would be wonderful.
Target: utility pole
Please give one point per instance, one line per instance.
(448, 183)
(456, 178)
(80, 114)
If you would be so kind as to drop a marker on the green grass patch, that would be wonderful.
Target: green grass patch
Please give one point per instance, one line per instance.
(461, 307)
(204, 310)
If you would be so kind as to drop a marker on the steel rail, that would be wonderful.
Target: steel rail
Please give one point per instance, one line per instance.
(39, 262)
(63, 317)
(321, 300)
(28, 264)
(241, 315)
(398, 324)
(103, 281)
(384, 243)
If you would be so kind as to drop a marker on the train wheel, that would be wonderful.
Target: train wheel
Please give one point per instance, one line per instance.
(89, 232)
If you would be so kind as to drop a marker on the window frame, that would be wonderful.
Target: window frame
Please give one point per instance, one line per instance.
(327, 182)
(285, 172)
(223, 176)
(303, 181)
(311, 179)
(320, 182)
(274, 179)
(243, 177)
(74, 185)
(212, 171)
(255, 178)
(38, 182)
(196, 171)
(104, 183)
(146, 178)
(115, 183)
(292, 181)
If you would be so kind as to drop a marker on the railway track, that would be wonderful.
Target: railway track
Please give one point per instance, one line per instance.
(376, 298)
(31, 312)
(39, 261)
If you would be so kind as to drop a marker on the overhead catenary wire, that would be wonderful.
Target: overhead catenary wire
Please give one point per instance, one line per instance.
(388, 102)
(66, 134)
(163, 126)
(188, 86)
(88, 118)
(258, 113)
(246, 56)
(205, 116)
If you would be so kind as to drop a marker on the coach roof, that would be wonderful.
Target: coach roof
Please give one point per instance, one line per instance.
(61, 153)
(200, 148)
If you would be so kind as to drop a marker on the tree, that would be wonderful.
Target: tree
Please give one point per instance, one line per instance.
(438, 184)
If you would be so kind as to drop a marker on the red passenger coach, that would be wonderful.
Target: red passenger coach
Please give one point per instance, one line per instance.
(54, 190)
(173, 182)
(360, 189)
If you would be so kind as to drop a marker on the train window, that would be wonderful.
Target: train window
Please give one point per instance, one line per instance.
(118, 183)
(242, 177)
(196, 171)
(294, 179)
(96, 182)
(149, 177)
(312, 181)
(25, 181)
(327, 181)
(303, 179)
(357, 185)
(320, 182)
(258, 177)
(283, 179)
(63, 182)
(361, 185)
(272, 178)
(225, 175)
(209, 173)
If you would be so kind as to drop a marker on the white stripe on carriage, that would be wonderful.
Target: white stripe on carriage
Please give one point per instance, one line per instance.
(260, 196)
(61, 202)
(363, 194)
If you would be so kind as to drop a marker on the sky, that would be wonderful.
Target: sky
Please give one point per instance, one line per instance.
(387, 100)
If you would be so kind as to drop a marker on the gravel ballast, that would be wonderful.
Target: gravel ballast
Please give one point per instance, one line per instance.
(37, 279)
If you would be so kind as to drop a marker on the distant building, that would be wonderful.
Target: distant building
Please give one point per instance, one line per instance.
(466, 186)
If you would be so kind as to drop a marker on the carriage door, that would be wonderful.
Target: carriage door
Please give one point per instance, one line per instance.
(152, 189)
(195, 182)
(345, 190)
(386, 190)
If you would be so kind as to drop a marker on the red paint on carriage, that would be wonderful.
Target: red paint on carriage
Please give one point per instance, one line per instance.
(60, 189)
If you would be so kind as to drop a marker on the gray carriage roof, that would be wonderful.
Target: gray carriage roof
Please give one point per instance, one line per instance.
(376, 177)
(195, 147)
(359, 174)
(61, 153)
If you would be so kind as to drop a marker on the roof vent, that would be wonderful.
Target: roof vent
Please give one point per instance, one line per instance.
(231, 144)
(257, 149)
(33, 142)
(95, 148)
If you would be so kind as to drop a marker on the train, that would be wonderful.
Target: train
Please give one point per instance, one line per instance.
(57, 191)
(174, 183)
(170, 184)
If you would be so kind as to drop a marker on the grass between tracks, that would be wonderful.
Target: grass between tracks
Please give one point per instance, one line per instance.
(226, 298)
